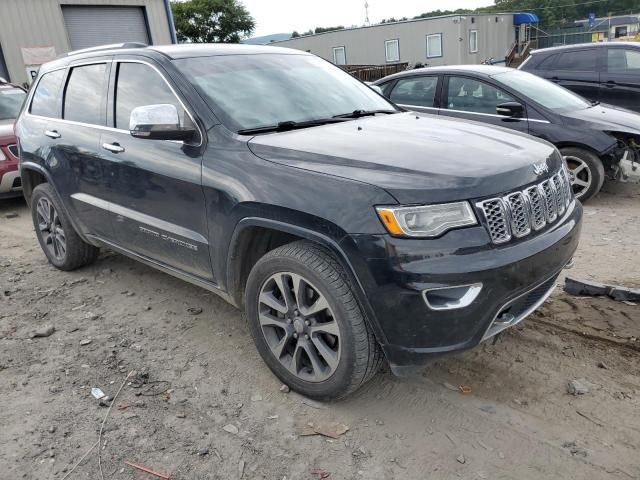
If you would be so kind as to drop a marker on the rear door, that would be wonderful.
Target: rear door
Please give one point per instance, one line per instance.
(77, 162)
(474, 99)
(155, 186)
(579, 71)
(621, 79)
(418, 93)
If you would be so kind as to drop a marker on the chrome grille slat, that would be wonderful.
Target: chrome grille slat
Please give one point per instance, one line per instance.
(517, 214)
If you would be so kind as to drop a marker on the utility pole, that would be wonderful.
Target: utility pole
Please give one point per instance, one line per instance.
(366, 13)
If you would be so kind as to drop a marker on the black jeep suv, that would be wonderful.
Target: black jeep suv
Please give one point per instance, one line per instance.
(349, 231)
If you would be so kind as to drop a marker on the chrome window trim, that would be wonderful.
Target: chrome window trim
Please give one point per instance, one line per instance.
(524, 119)
(27, 113)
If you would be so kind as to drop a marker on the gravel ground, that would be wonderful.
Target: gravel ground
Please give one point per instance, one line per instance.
(201, 404)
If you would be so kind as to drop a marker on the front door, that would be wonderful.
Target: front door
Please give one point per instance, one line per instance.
(473, 99)
(620, 83)
(157, 199)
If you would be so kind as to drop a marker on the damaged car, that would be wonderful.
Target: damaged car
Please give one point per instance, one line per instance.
(597, 141)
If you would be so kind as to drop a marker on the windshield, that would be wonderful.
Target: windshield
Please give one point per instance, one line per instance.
(11, 99)
(253, 91)
(542, 91)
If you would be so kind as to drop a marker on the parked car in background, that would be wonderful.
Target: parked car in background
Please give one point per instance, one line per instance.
(346, 228)
(594, 139)
(604, 72)
(11, 99)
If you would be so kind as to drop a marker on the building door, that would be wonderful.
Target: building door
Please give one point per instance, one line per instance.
(90, 26)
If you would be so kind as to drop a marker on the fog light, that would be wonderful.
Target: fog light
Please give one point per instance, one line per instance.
(451, 298)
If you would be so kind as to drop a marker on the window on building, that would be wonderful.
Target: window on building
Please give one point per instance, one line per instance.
(578, 61)
(623, 61)
(339, 56)
(45, 98)
(434, 45)
(420, 91)
(473, 41)
(392, 50)
(140, 85)
(621, 31)
(470, 95)
(84, 95)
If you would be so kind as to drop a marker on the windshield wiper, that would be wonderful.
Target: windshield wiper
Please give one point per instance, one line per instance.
(289, 125)
(595, 103)
(364, 113)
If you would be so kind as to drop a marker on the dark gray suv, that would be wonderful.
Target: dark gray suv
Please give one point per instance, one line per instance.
(350, 231)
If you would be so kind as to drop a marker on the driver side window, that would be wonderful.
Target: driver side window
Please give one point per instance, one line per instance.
(139, 85)
(470, 95)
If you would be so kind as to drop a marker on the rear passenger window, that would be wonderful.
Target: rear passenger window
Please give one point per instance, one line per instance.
(580, 61)
(139, 85)
(546, 63)
(415, 91)
(469, 95)
(45, 98)
(84, 95)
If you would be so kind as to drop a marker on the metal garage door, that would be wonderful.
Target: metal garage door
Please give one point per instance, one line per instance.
(89, 26)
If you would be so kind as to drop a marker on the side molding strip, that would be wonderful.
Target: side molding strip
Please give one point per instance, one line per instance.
(140, 217)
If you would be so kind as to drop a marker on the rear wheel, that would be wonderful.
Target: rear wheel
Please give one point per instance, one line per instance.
(586, 172)
(307, 324)
(59, 241)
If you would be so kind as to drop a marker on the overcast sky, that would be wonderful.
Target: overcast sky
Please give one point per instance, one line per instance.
(285, 16)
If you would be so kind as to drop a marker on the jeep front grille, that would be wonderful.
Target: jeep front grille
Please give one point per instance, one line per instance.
(516, 214)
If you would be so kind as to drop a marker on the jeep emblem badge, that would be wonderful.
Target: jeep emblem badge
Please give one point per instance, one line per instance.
(540, 168)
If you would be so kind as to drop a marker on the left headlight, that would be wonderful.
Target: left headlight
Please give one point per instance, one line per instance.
(426, 220)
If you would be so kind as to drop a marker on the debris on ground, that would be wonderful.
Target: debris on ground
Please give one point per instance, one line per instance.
(285, 388)
(588, 288)
(460, 458)
(45, 331)
(194, 310)
(85, 341)
(578, 387)
(146, 470)
(12, 215)
(231, 428)
(327, 429)
(97, 393)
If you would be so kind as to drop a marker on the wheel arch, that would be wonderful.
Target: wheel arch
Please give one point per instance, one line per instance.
(243, 239)
(32, 175)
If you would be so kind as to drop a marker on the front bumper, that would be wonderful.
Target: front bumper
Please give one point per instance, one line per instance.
(10, 183)
(516, 277)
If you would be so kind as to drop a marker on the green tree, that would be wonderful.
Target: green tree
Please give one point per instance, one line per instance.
(211, 21)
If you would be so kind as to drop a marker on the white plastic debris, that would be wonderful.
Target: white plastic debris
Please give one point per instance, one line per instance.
(97, 393)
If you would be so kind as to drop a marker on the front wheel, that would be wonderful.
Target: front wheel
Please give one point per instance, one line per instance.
(307, 323)
(586, 172)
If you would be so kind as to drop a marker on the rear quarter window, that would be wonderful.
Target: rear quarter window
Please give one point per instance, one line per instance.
(45, 98)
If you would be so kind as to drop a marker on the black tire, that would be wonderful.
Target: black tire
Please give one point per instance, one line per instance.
(360, 356)
(77, 253)
(592, 171)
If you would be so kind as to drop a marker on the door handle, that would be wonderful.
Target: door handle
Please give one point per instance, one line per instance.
(113, 147)
(52, 134)
(611, 84)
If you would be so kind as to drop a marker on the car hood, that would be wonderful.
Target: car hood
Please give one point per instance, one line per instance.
(608, 117)
(6, 132)
(417, 158)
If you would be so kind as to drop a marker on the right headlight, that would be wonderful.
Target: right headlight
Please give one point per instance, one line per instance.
(426, 221)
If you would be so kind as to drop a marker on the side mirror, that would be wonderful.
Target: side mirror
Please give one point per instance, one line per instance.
(510, 109)
(158, 122)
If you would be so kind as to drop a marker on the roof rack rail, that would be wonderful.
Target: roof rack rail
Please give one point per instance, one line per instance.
(113, 46)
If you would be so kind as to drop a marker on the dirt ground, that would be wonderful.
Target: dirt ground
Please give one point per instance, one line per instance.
(202, 405)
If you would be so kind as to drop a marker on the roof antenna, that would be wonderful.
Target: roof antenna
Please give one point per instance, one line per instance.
(366, 13)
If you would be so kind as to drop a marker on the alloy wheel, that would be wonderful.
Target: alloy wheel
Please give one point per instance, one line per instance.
(50, 229)
(299, 326)
(579, 175)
